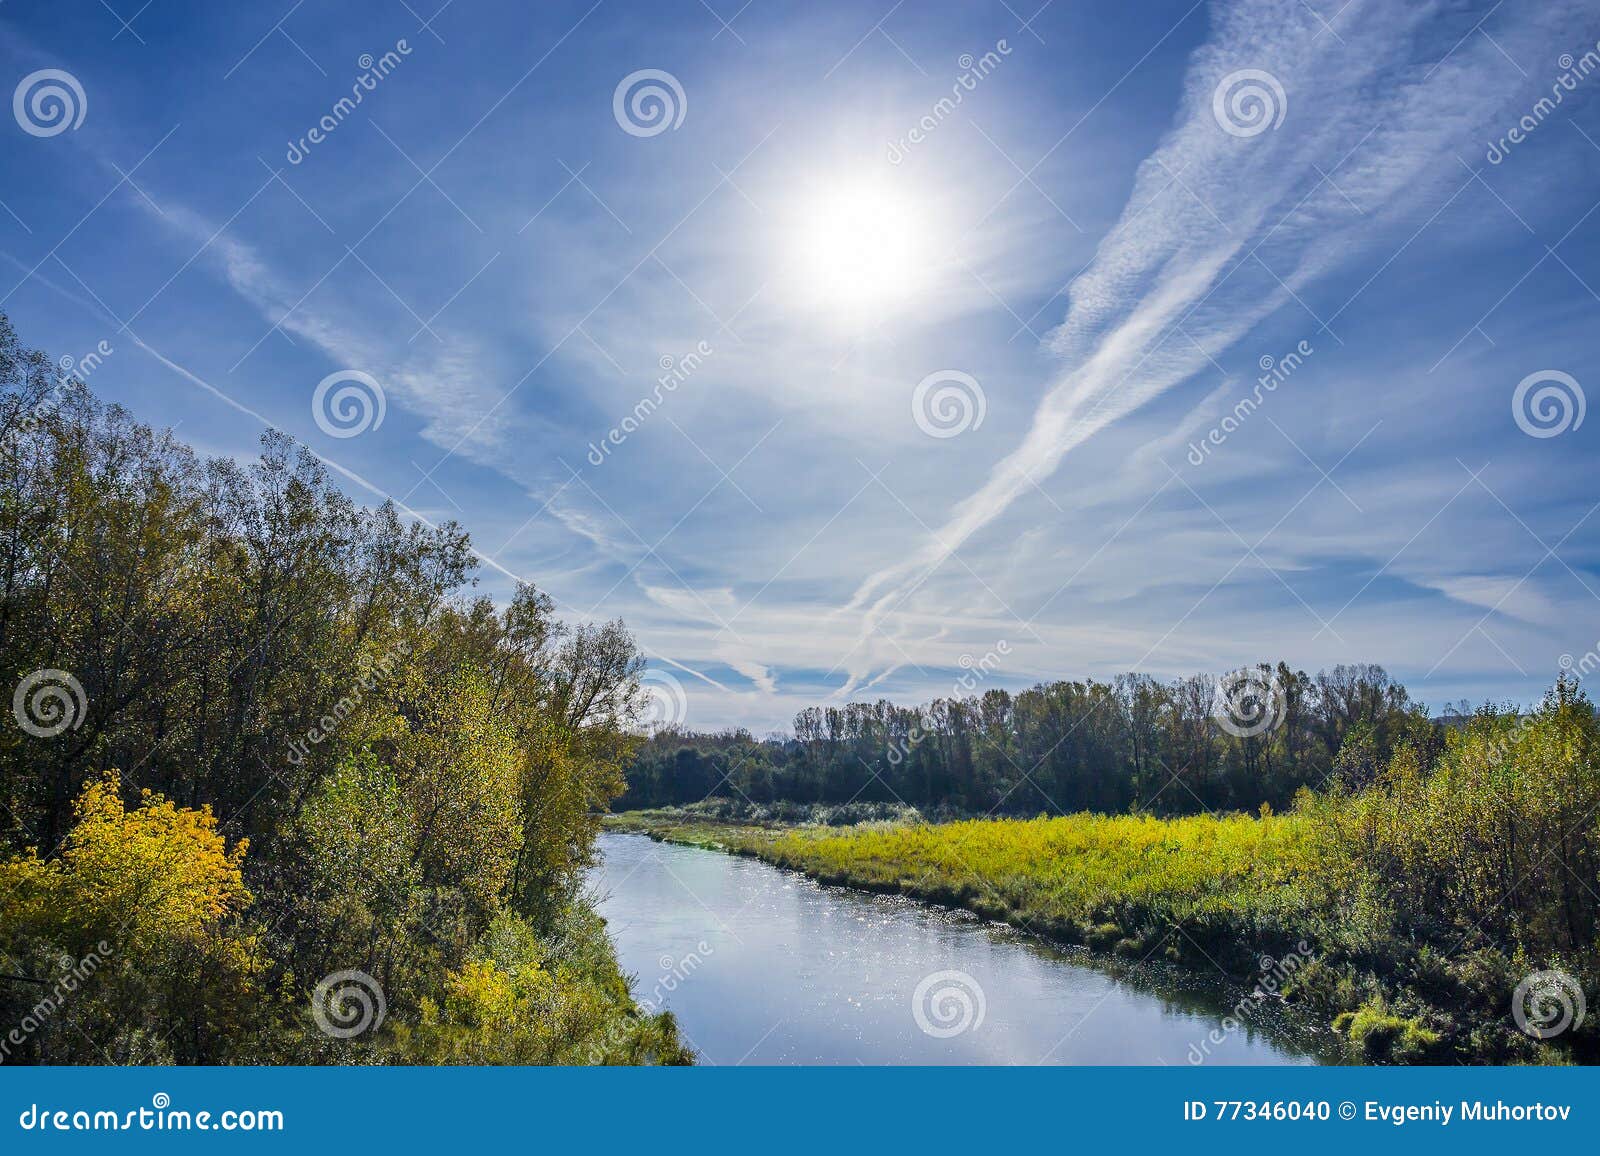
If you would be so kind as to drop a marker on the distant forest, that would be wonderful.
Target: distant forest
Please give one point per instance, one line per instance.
(1134, 743)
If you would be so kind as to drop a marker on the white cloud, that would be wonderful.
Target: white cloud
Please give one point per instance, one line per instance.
(445, 384)
(1222, 231)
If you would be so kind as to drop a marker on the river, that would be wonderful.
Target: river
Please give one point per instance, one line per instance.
(764, 966)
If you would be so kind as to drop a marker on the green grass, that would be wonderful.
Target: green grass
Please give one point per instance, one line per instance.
(1201, 891)
(1177, 885)
(1081, 878)
(1382, 1037)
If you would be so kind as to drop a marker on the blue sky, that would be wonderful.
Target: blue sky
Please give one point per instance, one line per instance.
(1130, 208)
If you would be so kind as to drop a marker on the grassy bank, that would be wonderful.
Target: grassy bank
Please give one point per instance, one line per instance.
(1185, 888)
(1200, 891)
(1073, 879)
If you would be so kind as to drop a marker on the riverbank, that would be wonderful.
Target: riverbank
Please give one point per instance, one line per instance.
(762, 965)
(1239, 893)
(1195, 890)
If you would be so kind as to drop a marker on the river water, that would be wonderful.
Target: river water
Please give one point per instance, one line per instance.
(764, 966)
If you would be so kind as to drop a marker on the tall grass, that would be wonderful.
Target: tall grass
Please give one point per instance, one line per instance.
(1423, 895)
(1089, 878)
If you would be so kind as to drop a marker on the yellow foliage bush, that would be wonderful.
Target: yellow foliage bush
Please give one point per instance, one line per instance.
(156, 890)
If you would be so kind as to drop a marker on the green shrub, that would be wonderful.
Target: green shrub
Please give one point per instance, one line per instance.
(1382, 1037)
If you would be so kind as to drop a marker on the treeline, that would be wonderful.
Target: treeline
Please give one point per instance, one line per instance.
(275, 786)
(1132, 743)
(1440, 904)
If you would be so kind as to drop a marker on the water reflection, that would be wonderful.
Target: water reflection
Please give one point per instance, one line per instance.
(764, 966)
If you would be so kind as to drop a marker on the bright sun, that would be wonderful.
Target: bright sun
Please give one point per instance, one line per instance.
(859, 250)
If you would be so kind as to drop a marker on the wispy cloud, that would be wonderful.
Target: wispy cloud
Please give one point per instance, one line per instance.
(446, 386)
(777, 525)
(1223, 230)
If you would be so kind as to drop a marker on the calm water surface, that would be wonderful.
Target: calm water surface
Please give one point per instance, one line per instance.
(761, 965)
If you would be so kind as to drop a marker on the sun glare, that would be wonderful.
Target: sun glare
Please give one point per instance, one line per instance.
(859, 250)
